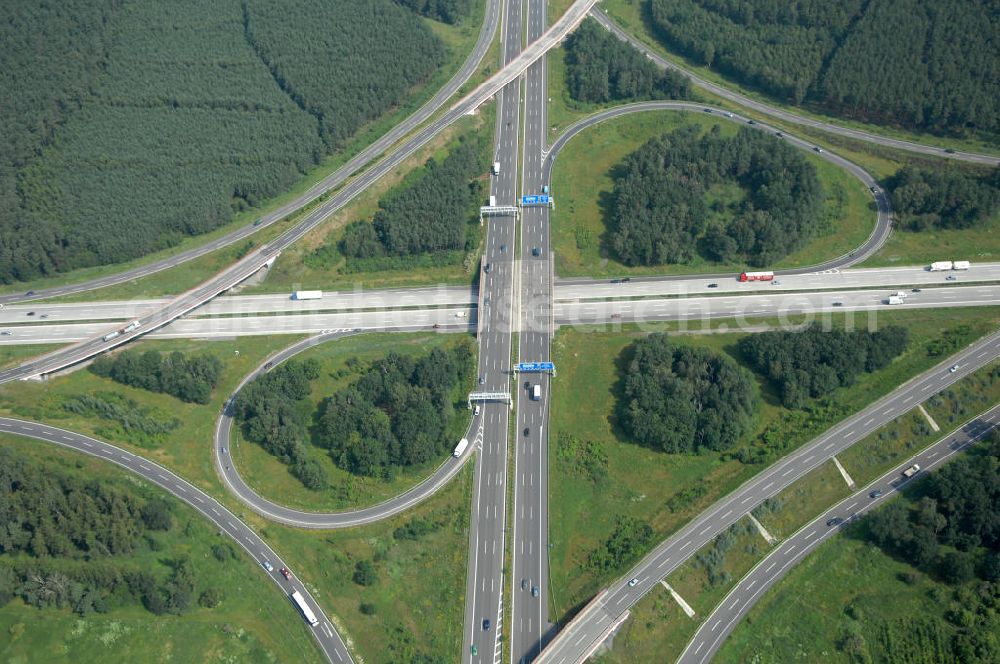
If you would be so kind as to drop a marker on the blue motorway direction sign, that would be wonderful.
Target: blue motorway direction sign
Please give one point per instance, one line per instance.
(540, 199)
(536, 366)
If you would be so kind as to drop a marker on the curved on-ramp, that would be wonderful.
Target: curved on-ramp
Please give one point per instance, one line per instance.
(883, 220)
(737, 98)
(328, 520)
(325, 633)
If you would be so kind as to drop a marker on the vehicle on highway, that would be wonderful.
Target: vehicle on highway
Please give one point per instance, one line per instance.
(893, 299)
(44, 316)
(223, 450)
(778, 134)
(939, 266)
(461, 447)
(527, 430)
(915, 290)
(835, 521)
(949, 151)
(31, 292)
(527, 384)
(877, 493)
(873, 189)
(503, 247)
(524, 584)
(838, 304)
(911, 471)
(626, 280)
(534, 591)
(536, 251)
(473, 650)
(713, 285)
(496, 168)
(268, 566)
(615, 316)
(110, 335)
(285, 573)
(633, 582)
(536, 392)
(756, 276)
(751, 122)
(950, 277)
(268, 365)
(486, 624)
(545, 188)
(477, 410)
(460, 314)
(304, 608)
(729, 115)
(30, 313)
(818, 149)
(953, 369)
(708, 110)
(482, 380)
(258, 222)
(487, 268)
(486, 301)
(435, 326)
(616, 281)
(307, 295)
(6, 333)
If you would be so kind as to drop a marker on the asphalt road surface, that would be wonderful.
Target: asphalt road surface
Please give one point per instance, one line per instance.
(258, 259)
(451, 297)
(752, 304)
(227, 522)
(719, 624)
(590, 627)
(529, 579)
(490, 21)
(772, 111)
(483, 620)
(303, 519)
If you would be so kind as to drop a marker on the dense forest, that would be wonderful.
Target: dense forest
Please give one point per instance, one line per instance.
(64, 543)
(129, 126)
(397, 414)
(661, 205)
(268, 411)
(943, 198)
(189, 379)
(602, 68)
(924, 65)
(430, 211)
(814, 362)
(685, 399)
(446, 11)
(948, 526)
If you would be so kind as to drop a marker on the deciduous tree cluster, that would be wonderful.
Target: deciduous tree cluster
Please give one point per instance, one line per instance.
(189, 379)
(814, 362)
(940, 198)
(925, 65)
(685, 399)
(397, 414)
(602, 68)
(660, 211)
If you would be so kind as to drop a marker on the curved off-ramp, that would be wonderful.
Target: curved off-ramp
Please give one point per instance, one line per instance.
(325, 520)
(786, 116)
(325, 632)
(883, 221)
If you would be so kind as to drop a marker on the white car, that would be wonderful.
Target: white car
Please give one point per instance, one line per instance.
(633, 582)
(953, 369)
(268, 566)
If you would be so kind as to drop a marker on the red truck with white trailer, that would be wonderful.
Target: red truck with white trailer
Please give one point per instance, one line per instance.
(756, 276)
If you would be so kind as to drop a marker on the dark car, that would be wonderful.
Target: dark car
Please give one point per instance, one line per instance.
(524, 584)
(536, 251)
(486, 624)
(915, 290)
(534, 591)
(482, 380)
(949, 151)
(31, 292)
(838, 304)
(527, 384)
(751, 122)
(285, 573)
(527, 430)
(503, 247)
(708, 110)
(818, 149)
(778, 134)
(487, 268)
(713, 285)
(877, 493)
(626, 280)
(835, 521)
(616, 281)
(269, 365)
(258, 222)
(30, 313)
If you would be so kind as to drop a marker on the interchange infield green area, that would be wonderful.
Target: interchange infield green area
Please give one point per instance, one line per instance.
(583, 182)
(253, 623)
(666, 490)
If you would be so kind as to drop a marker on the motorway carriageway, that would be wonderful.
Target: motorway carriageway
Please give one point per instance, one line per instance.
(564, 290)
(457, 319)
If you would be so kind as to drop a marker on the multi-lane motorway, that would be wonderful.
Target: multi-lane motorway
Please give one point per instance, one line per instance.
(587, 630)
(227, 522)
(722, 621)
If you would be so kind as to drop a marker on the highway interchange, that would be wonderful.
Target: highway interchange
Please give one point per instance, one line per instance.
(518, 294)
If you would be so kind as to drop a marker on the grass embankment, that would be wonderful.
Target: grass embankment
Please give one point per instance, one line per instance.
(583, 183)
(672, 488)
(633, 17)
(458, 39)
(12, 355)
(254, 622)
(299, 265)
(273, 480)
(658, 624)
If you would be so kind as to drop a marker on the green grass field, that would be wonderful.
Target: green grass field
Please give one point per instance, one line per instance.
(583, 183)
(272, 479)
(254, 623)
(631, 16)
(590, 372)
(11, 355)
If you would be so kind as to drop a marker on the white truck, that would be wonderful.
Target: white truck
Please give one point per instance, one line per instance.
(940, 266)
(911, 471)
(134, 325)
(307, 295)
(496, 168)
(894, 299)
(536, 392)
(960, 265)
(900, 293)
(493, 201)
(462, 444)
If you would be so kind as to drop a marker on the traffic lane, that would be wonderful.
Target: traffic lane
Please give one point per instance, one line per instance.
(469, 66)
(889, 277)
(327, 636)
(671, 553)
(719, 624)
(737, 98)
